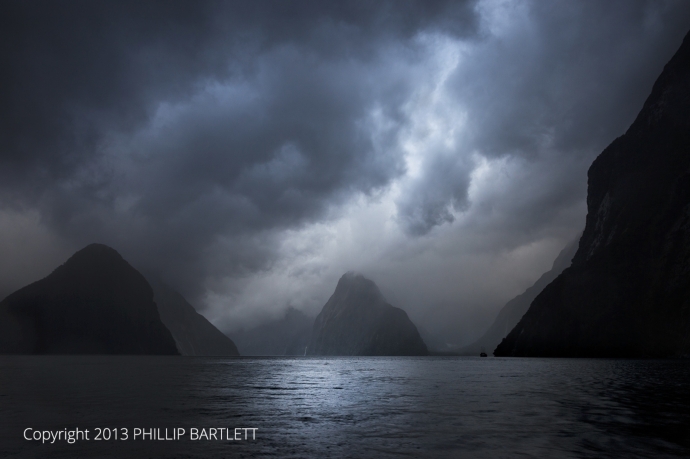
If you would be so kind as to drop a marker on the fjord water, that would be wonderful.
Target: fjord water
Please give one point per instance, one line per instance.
(352, 407)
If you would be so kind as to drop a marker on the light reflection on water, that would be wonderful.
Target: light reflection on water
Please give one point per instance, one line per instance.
(354, 407)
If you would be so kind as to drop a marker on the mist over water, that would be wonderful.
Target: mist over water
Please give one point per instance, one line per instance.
(352, 407)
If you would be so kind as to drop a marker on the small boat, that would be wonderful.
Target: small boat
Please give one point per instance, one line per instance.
(483, 354)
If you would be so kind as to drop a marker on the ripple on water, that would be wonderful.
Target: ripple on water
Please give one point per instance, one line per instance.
(355, 407)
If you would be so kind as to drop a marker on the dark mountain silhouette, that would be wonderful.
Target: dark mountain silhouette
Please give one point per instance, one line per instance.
(357, 320)
(509, 316)
(95, 303)
(627, 293)
(288, 335)
(192, 332)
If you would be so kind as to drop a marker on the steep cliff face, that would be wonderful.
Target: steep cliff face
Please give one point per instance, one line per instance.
(509, 316)
(627, 292)
(357, 320)
(192, 332)
(95, 303)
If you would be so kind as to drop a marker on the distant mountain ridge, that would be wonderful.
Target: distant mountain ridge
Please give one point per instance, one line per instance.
(509, 316)
(288, 335)
(627, 293)
(357, 320)
(95, 303)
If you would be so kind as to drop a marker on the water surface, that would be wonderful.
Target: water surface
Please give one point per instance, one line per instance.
(453, 407)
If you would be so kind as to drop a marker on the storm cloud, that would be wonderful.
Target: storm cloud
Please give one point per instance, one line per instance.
(249, 153)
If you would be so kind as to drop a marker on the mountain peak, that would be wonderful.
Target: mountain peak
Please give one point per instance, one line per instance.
(96, 250)
(357, 320)
(95, 303)
(94, 256)
(355, 283)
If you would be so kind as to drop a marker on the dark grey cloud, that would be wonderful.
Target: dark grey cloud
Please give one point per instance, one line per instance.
(429, 201)
(160, 127)
(250, 151)
(558, 78)
(72, 70)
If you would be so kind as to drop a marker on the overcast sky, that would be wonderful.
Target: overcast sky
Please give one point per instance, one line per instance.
(250, 153)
